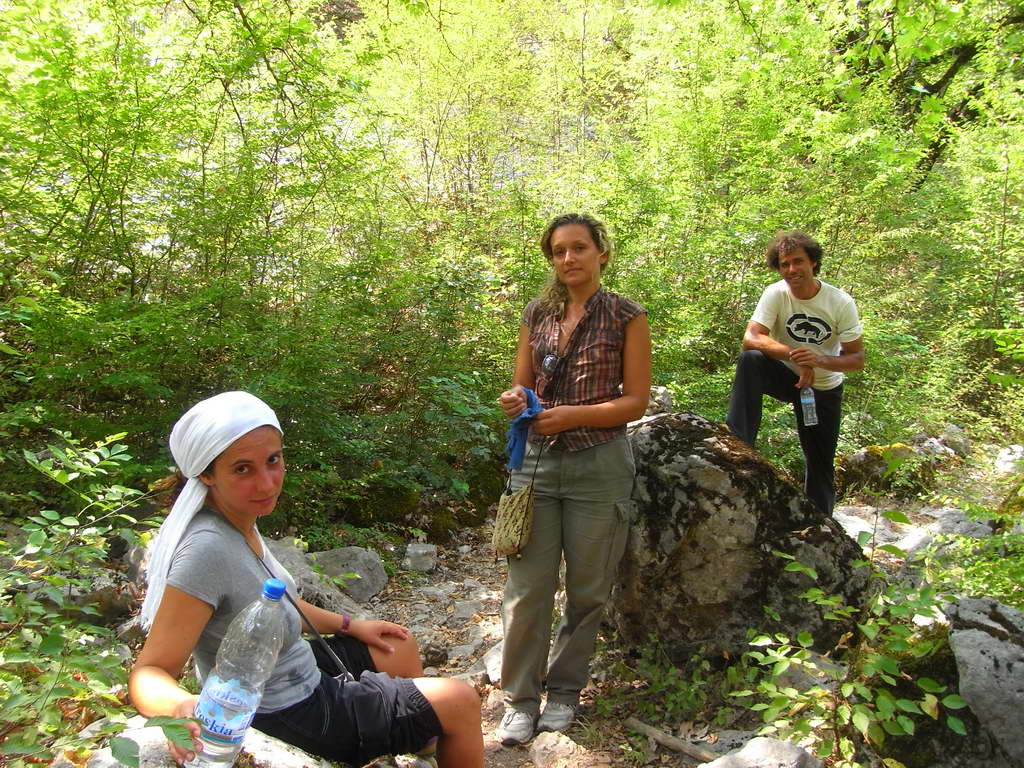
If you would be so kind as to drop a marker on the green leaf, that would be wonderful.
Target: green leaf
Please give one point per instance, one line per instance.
(895, 515)
(953, 701)
(927, 684)
(886, 705)
(52, 645)
(892, 549)
(174, 730)
(824, 748)
(10, 350)
(846, 689)
(805, 639)
(870, 630)
(35, 542)
(761, 640)
(49, 514)
(70, 522)
(893, 728)
(930, 706)
(908, 706)
(907, 723)
(861, 720)
(956, 725)
(125, 751)
(876, 734)
(889, 664)
(863, 538)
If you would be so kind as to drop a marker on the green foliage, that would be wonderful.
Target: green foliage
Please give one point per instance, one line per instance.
(672, 694)
(126, 751)
(872, 693)
(993, 567)
(60, 670)
(340, 214)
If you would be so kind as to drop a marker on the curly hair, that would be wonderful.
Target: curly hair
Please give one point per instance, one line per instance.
(785, 243)
(554, 295)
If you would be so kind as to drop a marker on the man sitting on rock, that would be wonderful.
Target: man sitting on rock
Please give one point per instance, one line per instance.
(803, 333)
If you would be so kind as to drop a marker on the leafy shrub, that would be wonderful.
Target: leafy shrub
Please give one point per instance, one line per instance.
(866, 699)
(59, 671)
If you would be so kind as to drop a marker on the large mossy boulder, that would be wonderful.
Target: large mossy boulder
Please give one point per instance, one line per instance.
(700, 568)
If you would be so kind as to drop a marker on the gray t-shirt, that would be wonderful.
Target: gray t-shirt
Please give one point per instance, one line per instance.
(214, 563)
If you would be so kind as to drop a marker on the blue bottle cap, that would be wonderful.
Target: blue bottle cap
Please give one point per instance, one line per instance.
(273, 589)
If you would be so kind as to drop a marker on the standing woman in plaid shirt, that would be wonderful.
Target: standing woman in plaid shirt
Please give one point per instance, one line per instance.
(587, 354)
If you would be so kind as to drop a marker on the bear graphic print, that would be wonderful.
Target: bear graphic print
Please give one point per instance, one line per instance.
(807, 329)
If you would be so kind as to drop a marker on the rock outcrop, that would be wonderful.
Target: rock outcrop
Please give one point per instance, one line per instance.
(699, 570)
(987, 639)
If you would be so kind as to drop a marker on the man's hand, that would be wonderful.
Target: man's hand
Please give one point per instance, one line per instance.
(806, 377)
(513, 402)
(806, 358)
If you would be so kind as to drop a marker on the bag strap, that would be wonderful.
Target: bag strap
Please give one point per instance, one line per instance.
(342, 669)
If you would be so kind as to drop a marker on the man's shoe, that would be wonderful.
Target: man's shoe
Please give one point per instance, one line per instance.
(556, 717)
(516, 728)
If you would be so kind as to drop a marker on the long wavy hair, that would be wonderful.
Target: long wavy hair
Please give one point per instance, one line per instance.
(554, 294)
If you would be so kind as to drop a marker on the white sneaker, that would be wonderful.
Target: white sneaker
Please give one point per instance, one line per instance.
(556, 717)
(516, 728)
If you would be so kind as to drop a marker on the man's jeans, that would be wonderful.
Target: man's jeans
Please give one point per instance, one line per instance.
(757, 375)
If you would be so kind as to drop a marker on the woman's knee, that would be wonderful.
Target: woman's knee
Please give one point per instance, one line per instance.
(455, 702)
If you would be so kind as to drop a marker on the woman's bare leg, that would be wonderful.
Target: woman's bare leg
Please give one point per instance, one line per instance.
(404, 661)
(457, 706)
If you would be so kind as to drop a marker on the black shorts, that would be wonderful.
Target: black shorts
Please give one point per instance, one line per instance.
(357, 721)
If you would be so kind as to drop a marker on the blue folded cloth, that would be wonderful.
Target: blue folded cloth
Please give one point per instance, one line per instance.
(519, 428)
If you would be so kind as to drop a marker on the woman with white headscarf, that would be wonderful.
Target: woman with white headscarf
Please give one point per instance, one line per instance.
(209, 561)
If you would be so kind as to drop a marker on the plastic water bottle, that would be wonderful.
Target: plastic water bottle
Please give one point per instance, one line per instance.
(233, 689)
(807, 405)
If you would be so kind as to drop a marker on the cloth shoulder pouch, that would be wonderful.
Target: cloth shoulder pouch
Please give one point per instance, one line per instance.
(514, 521)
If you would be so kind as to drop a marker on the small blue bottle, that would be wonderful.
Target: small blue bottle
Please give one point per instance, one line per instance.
(807, 406)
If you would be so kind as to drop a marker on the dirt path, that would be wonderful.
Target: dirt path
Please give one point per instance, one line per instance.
(467, 570)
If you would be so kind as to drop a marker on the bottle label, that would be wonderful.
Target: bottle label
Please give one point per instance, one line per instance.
(225, 711)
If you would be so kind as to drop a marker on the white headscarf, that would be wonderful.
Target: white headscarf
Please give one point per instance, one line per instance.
(200, 436)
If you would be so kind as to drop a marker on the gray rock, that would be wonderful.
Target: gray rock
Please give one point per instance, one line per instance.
(312, 587)
(465, 610)
(728, 741)
(698, 568)
(762, 752)
(432, 649)
(358, 560)
(130, 631)
(266, 752)
(932, 446)
(137, 561)
(957, 440)
(420, 557)
(555, 750)
(437, 591)
(492, 663)
(815, 671)
(1009, 459)
(865, 519)
(949, 521)
(464, 651)
(987, 639)
(660, 402)
(109, 593)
